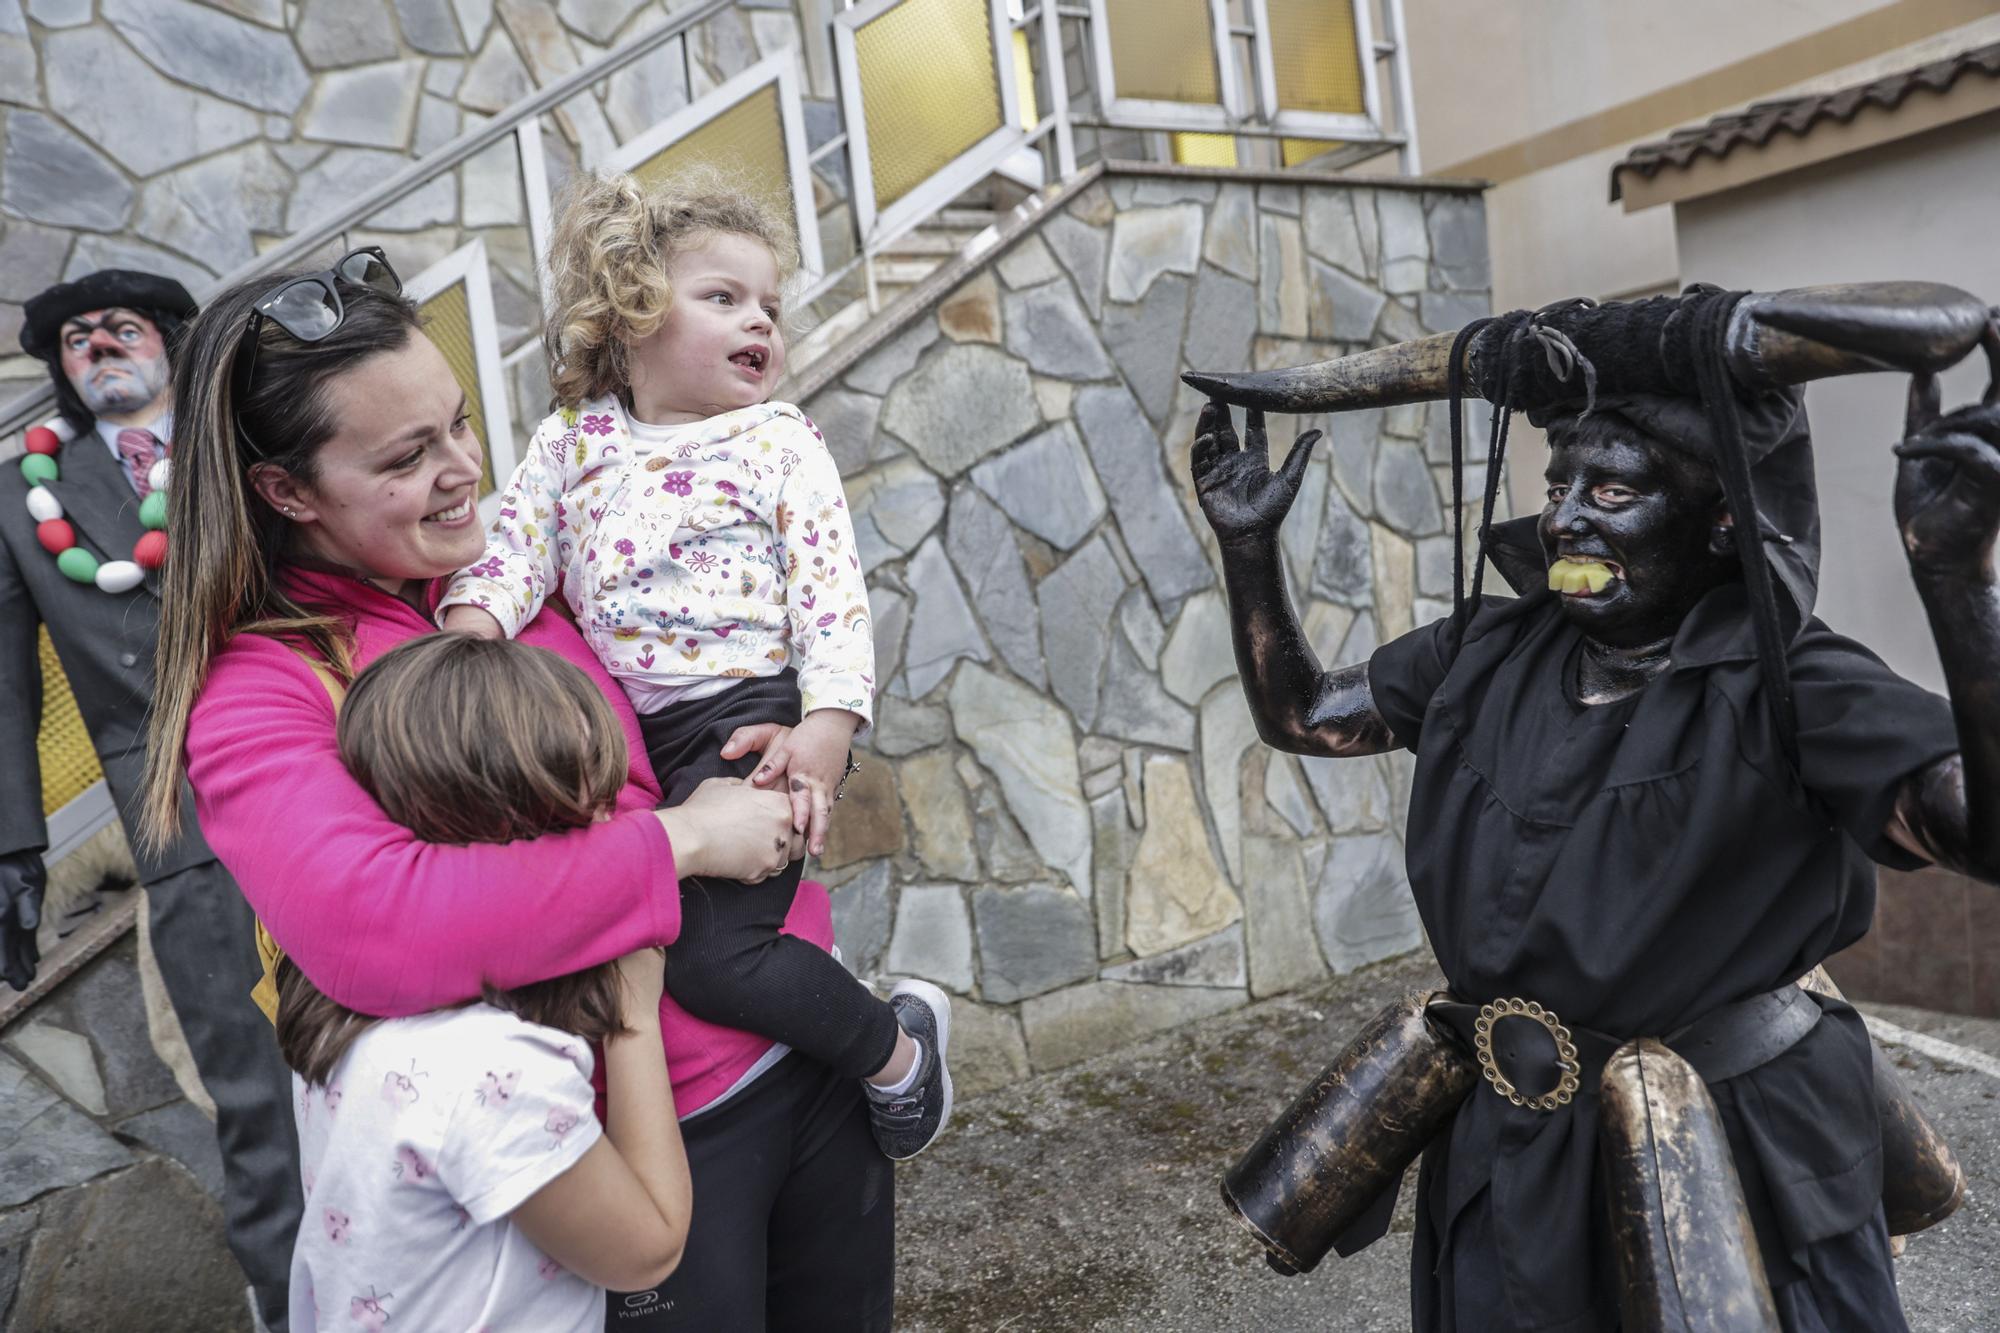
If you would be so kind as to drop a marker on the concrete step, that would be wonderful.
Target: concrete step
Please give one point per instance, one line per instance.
(963, 219)
(830, 333)
(924, 241)
(894, 272)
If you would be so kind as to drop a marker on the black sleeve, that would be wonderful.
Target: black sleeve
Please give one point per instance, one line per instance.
(1863, 731)
(22, 824)
(1404, 674)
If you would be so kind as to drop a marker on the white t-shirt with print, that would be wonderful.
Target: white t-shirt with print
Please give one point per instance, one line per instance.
(430, 1132)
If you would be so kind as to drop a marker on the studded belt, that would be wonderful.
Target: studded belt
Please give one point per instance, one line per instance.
(1532, 1059)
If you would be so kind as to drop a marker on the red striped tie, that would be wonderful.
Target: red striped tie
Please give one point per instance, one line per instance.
(140, 449)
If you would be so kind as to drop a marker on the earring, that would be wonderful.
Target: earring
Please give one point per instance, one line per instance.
(291, 512)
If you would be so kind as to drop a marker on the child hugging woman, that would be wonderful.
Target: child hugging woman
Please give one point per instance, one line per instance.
(454, 1173)
(699, 534)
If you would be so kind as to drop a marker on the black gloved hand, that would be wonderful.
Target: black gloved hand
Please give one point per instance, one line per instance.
(23, 878)
(1242, 498)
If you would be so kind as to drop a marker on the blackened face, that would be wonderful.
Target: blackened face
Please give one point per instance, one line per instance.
(1655, 520)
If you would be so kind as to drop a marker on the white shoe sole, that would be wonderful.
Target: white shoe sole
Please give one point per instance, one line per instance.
(940, 1005)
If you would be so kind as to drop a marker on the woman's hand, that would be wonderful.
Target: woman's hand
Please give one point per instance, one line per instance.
(642, 978)
(1242, 498)
(730, 830)
(1948, 484)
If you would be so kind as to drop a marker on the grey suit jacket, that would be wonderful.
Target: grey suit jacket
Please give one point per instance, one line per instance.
(105, 643)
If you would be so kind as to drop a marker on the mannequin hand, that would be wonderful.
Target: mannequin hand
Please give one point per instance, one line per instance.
(23, 878)
(1948, 484)
(1242, 498)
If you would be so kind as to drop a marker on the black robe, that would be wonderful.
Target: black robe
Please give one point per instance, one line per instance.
(1632, 866)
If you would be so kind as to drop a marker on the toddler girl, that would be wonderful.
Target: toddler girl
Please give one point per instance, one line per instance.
(454, 1173)
(700, 536)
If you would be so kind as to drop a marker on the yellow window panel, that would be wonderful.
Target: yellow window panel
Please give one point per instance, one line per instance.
(1315, 55)
(747, 141)
(1024, 80)
(69, 760)
(930, 89)
(1163, 51)
(448, 321)
(1206, 150)
(1297, 151)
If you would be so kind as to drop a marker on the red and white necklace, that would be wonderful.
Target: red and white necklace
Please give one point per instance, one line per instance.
(58, 537)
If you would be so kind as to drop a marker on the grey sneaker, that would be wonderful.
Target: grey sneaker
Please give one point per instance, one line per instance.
(905, 1125)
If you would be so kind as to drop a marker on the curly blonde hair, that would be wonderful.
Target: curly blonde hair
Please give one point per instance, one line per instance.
(608, 265)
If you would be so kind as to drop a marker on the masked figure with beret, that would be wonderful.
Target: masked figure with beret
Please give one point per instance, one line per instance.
(81, 541)
(1649, 796)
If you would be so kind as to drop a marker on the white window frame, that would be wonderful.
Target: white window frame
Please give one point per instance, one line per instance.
(879, 227)
(79, 820)
(1319, 124)
(1145, 113)
(780, 68)
(1233, 110)
(468, 263)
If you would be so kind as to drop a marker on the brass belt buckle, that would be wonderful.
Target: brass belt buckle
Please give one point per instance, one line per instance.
(1482, 1041)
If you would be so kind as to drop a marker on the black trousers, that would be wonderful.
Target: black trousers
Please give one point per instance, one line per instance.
(204, 937)
(730, 965)
(794, 1224)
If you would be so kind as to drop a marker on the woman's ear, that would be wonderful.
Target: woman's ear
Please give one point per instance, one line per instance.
(1722, 533)
(282, 491)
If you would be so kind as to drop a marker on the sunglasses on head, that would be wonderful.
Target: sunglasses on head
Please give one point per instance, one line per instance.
(309, 307)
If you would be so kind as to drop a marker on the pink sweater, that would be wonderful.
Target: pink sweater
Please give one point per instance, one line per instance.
(389, 925)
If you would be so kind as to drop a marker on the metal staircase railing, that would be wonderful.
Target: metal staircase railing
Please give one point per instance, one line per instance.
(1034, 137)
(28, 408)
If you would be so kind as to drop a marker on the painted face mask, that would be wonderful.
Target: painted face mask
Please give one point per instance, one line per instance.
(1629, 532)
(115, 359)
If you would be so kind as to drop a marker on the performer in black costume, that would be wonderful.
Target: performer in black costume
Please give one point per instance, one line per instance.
(1648, 791)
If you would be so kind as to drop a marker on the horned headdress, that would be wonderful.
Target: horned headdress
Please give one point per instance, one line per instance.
(1714, 373)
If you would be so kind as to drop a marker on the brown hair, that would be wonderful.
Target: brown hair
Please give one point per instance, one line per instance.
(225, 545)
(464, 740)
(608, 263)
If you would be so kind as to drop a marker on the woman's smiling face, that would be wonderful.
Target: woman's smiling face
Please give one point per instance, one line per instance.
(395, 497)
(1622, 502)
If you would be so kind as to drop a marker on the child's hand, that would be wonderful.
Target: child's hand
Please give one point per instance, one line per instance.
(642, 976)
(474, 620)
(811, 758)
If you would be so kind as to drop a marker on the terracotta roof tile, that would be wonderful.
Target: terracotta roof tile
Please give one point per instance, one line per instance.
(1760, 122)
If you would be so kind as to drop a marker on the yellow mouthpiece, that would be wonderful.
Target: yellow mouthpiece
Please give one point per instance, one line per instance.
(1578, 576)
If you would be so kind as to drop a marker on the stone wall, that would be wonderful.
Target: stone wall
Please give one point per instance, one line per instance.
(1065, 815)
(110, 1179)
(184, 137)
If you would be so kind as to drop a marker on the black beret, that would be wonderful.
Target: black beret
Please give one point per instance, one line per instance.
(45, 314)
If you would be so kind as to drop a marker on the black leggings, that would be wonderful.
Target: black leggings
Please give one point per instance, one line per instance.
(731, 966)
(794, 1224)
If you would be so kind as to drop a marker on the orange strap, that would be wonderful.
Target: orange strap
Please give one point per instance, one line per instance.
(265, 993)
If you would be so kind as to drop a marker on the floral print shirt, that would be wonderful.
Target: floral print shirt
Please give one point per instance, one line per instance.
(430, 1132)
(725, 550)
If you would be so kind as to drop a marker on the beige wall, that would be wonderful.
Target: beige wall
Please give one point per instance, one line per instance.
(1542, 97)
(1910, 209)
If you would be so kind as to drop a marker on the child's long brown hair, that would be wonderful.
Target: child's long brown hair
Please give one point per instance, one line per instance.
(464, 740)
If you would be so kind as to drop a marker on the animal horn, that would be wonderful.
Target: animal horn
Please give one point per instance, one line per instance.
(1811, 333)
(1406, 372)
(1774, 339)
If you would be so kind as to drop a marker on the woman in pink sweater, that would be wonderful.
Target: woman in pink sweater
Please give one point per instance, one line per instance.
(324, 479)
